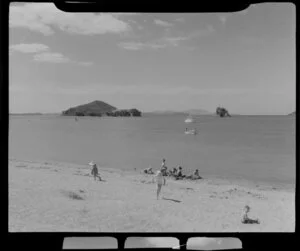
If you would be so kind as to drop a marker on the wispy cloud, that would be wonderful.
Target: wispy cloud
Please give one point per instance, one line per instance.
(29, 48)
(135, 46)
(51, 57)
(43, 17)
(146, 90)
(154, 45)
(42, 53)
(166, 41)
(85, 63)
(223, 18)
(162, 23)
(180, 19)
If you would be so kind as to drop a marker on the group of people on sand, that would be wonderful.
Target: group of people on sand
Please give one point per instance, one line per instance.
(174, 172)
(160, 181)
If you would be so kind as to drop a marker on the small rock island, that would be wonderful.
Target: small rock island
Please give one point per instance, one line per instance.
(222, 112)
(99, 108)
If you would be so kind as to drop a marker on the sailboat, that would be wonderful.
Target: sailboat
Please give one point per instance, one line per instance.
(189, 119)
(191, 131)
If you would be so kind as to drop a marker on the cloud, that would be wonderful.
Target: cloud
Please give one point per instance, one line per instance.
(149, 90)
(85, 63)
(51, 57)
(154, 45)
(223, 18)
(243, 12)
(180, 19)
(162, 23)
(43, 54)
(166, 41)
(29, 48)
(43, 17)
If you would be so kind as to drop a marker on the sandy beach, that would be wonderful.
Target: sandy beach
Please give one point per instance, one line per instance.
(48, 197)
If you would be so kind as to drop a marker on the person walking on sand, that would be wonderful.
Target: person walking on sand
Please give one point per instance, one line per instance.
(95, 171)
(160, 180)
(164, 167)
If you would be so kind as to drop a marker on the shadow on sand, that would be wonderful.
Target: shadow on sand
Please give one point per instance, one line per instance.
(178, 201)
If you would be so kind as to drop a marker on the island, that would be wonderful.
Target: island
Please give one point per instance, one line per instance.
(222, 112)
(99, 108)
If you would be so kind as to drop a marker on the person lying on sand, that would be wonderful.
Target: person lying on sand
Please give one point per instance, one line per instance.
(148, 170)
(246, 219)
(160, 180)
(94, 171)
(194, 176)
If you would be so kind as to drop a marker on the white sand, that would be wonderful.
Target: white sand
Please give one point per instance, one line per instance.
(126, 201)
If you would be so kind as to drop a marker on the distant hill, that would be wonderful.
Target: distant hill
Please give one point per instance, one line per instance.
(292, 114)
(100, 108)
(96, 107)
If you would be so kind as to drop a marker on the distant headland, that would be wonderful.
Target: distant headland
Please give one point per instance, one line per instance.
(99, 108)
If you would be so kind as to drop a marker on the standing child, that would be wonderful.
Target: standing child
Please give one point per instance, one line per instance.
(160, 180)
(95, 170)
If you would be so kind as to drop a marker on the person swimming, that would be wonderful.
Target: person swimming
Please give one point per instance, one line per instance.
(160, 180)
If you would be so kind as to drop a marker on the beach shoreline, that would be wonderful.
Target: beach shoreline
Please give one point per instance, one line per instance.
(50, 196)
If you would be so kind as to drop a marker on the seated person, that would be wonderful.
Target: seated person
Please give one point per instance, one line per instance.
(246, 219)
(179, 173)
(196, 175)
(174, 171)
(149, 170)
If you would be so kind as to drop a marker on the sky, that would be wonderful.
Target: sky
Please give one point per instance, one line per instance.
(244, 61)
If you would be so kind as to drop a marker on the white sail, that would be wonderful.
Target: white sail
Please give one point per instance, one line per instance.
(189, 119)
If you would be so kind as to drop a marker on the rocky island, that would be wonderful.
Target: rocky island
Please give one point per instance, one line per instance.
(100, 108)
(222, 112)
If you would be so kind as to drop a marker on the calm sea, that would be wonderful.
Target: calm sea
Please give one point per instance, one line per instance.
(258, 148)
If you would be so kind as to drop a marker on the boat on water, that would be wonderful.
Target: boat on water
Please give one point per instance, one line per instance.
(192, 131)
(189, 120)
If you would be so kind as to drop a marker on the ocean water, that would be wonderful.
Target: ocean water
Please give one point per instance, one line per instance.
(256, 148)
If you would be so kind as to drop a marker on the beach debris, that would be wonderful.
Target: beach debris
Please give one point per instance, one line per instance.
(246, 219)
(187, 188)
(72, 195)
